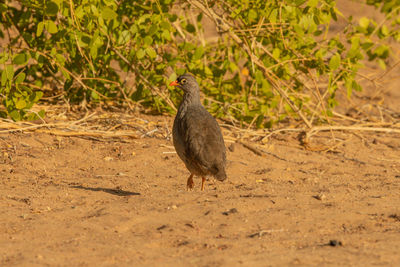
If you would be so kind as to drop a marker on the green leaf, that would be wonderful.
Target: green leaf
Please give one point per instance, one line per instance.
(108, 14)
(320, 54)
(364, 22)
(94, 10)
(109, 2)
(20, 104)
(3, 78)
(382, 64)
(93, 51)
(95, 95)
(140, 53)
(207, 71)
(189, 47)
(349, 87)
(382, 51)
(276, 53)
(182, 71)
(151, 52)
(67, 84)
(153, 29)
(3, 7)
(79, 12)
(3, 57)
(259, 76)
(252, 14)
(385, 30)
(39, 29)
(166, 35)
(165, 25)
(9, 70)
(20, 78)
(36, 96)
(148, 40)
(356, 86)
(60, 59)
(232, 66)
(334, 63)
(299, 2)
(367, 44)
(42, 113)
(66, 76)
(40, 59)
(259, 120)
(312, 3)
(124, 37)
(51, 27)
(51, 8)
(190, 28)
(84, 40)
(172, 77)
(21, 58)
(198, 53)
(15, 115)
(53, 51)
(355, 42)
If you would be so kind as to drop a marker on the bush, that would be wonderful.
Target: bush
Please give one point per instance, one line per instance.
(267, 64)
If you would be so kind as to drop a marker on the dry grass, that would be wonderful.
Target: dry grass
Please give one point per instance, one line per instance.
(124, 127)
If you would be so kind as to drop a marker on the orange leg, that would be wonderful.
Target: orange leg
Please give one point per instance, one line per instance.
(202, 183)
(190, 183)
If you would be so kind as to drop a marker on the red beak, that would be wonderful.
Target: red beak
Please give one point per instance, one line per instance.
(174, 83)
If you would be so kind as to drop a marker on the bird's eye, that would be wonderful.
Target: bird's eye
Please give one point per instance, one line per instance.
(183, 81)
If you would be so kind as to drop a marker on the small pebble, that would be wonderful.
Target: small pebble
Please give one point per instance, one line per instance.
(335, 243)
(233, 210)
(162, 227)
(232, 147)
(320, 197)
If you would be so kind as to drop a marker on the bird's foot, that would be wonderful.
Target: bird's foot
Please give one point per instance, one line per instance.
(190, 183)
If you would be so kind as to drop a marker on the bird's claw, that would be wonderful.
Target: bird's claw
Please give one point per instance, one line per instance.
(190, 183)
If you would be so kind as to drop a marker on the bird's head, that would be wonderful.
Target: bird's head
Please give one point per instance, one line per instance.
(187, 83)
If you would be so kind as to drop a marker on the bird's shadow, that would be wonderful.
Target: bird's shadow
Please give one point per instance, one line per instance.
(117, 192)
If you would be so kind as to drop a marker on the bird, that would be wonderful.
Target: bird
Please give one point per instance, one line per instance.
(197, 136)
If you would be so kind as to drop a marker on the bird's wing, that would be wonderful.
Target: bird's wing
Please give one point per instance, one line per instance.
(205, 144)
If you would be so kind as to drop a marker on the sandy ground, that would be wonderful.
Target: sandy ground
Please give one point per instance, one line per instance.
(75, 202)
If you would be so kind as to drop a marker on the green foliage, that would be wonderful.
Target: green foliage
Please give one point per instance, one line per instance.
(86, 49)
(374, 37)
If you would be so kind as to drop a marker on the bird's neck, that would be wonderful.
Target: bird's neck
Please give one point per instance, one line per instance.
(189, 99)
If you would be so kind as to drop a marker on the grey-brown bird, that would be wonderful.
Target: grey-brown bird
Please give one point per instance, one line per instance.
(197, 136)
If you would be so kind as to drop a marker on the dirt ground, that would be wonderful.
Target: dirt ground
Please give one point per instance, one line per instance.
(67, 201)
(71, 201)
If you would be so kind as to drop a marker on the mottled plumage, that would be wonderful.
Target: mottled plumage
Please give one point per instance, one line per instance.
(196, 134)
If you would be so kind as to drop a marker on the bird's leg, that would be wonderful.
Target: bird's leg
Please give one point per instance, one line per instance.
(190, 183)
(203, 179)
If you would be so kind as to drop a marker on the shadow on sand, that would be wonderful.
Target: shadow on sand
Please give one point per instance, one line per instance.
(117, 192)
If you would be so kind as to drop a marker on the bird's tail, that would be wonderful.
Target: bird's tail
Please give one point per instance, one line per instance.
(221, 175)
